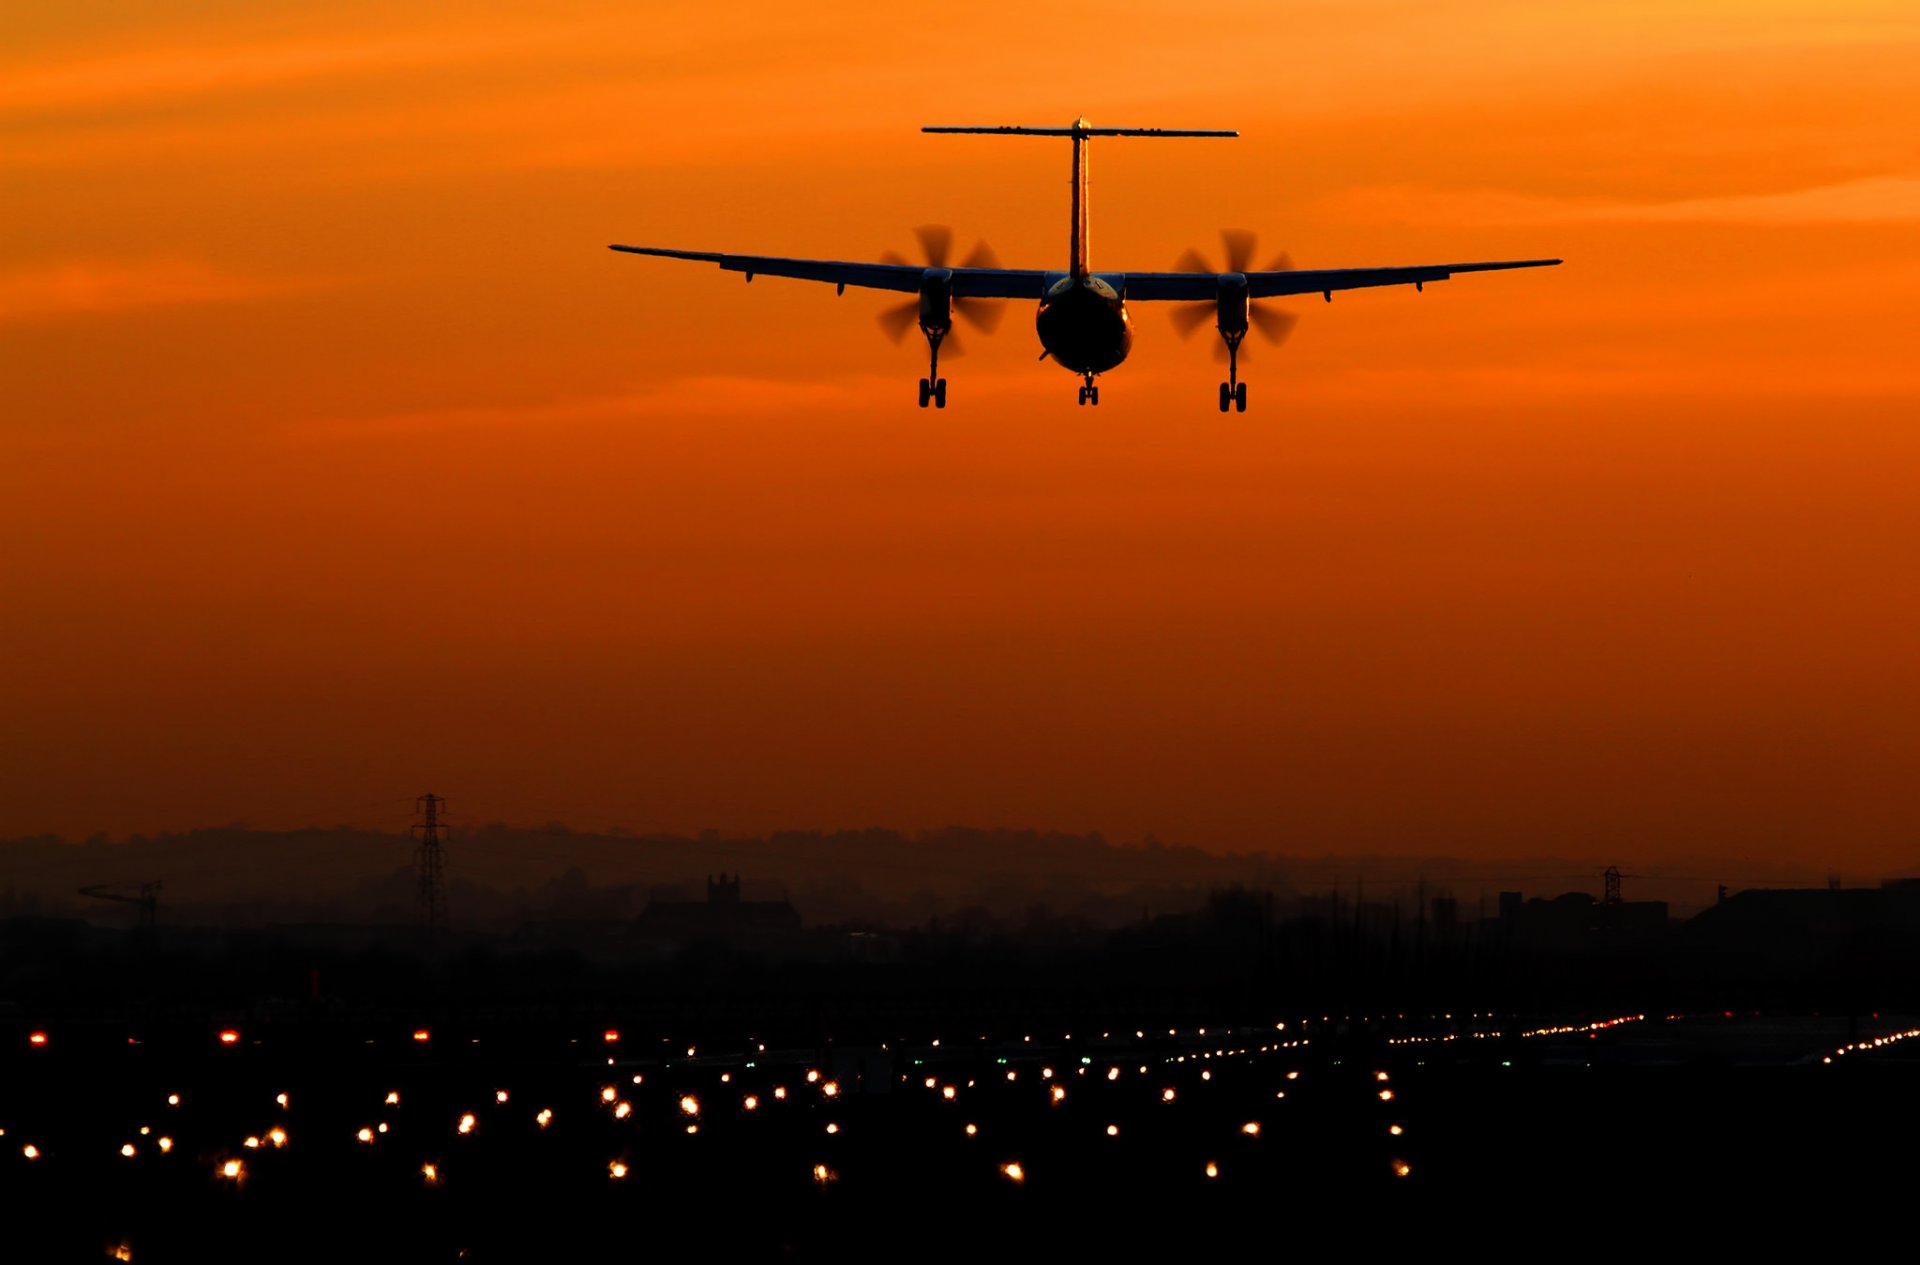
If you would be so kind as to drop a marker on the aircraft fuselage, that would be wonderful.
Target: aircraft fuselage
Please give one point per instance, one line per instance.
(1082, 323)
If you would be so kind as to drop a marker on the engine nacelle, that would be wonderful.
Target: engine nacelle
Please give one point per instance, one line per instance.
(1233, 302)
(936, 300)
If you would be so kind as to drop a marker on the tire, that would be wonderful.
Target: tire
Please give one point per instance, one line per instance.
(1240, 398)
(1226, 396)
(926, 392)
(940, 394)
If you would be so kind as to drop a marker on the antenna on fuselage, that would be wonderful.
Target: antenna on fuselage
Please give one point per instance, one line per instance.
(1080, 131)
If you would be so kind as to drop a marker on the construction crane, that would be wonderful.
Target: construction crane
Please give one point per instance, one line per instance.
(148, 900)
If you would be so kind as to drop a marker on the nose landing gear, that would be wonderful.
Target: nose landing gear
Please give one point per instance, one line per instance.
(1233, 392)
(933, 387)
(1089, 393)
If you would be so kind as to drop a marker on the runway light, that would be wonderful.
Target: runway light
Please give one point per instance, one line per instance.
(779, 1091)
(610, 1035)
(1014, 1173)
(31, 1151)
(127, 1150)
(421, 1034)
(1401, 1168)
(621, 1110)
(545, 1117)
(381, 1127)
(1166, 1095)
(1206, 1076)
(466, 1123)
(609, 1094)
(637, 1078)
(252, 1143)
(1113, 1130)
(1395, 1130)
(750, 1102)
(726, 1078)
(830, 1089)
(278, 1137)
(393, 1099)
(616, 1170)
(36, 1038)
(165, 1144)
(121, 1252)
(365, 1135)
(229, 1037)
(812, 1077)
(1213, 1170)
(822, 1174)
(499, 1095)
(173, 1100)
(1059, 1094)
(1113, 1073)
(1251, 1128)
(281, 1099)
(948, 1093)
(1386, 1095)
(1379, 1076)
(233, 1170)
(432, 1173)
(690, 1105)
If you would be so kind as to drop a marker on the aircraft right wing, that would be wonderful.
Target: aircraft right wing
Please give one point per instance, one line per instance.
(976, 283)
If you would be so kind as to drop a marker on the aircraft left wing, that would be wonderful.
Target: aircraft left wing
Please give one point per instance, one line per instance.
(1263, 285)
(979, 283)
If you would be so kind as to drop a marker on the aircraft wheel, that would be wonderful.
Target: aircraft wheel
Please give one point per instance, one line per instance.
(940, 394)
(926, 392)
(1083, 395)
(1093, 395)
(1226, 397)
(1240, 398)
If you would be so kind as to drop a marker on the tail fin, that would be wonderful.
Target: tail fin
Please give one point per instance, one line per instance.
(1080, 130)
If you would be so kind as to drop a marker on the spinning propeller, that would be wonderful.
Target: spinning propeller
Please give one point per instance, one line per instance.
(936, 245)
(1274, 325)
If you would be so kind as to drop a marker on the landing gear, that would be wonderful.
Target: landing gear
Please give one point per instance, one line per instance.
(1089, 394)
(1233, 392)
(933, 387)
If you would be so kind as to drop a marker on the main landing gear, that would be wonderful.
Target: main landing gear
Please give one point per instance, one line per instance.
(1089, 394)
(933, 387)
(1233, 392)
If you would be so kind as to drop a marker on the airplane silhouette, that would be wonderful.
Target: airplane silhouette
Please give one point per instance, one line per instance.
(1082, 321)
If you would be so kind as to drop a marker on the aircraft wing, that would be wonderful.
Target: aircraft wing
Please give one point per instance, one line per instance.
(1262, 285)
(980, 283)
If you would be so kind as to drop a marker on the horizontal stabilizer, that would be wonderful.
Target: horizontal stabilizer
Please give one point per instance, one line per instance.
(1077, 130)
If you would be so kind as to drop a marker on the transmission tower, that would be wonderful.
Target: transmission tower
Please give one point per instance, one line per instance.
(430, 892)
(1612, 880)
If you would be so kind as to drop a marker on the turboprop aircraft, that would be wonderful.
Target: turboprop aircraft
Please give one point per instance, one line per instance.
(1082, 319)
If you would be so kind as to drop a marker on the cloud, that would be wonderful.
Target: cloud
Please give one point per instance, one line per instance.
(83, 287)
(1879, 199)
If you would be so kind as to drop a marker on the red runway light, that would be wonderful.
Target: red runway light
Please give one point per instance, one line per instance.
(610, 1035)
(36, 1038)
(229, 1037)
(421, 1034)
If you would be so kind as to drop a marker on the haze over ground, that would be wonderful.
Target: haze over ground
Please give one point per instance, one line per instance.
(341, 461)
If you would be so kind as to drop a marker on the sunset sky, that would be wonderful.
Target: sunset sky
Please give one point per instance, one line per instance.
(340, 461)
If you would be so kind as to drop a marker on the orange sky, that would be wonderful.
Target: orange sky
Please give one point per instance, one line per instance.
(339, 460)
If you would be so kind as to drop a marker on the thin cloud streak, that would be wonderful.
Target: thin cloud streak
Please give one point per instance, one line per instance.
(96, 286)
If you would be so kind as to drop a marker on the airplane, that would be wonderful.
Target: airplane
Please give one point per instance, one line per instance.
(1082, 320)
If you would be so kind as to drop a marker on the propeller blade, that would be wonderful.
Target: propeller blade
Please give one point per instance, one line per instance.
(1189, 317)
(1239, 243)
(1274, 325)
(1220, 352)
(951, 346)
(897, 259)
(937, 241)
(1192, 261)
(895, 321)
(983, 314)
(1282, 262)
(982, 256)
